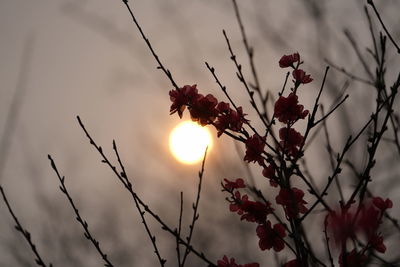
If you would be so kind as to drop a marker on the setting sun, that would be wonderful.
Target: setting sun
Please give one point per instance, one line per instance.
(188, 142)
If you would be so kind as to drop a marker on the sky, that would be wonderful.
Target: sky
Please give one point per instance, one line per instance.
(60, 59)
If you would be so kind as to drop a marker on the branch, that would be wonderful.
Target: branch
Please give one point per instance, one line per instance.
(23, 231)
(79, 218)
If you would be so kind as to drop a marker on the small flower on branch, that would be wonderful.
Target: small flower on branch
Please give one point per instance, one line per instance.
(251, 211)
(382, 204)
(271, 237)
(300, 77)
(287, 109)
(291, 140)
(229, 118)
(181, 98)
(269, 172)
(289, 60)
(229, 185)
(254, 149)
(292, 201)
(203, 109)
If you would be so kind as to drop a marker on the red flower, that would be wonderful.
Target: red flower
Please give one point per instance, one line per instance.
(202, 109)
(377, 243)
(381, 204)
(269, 172)
(353, 259)
(292, 201)
(225, 262)
(223, 107)
(237, 202)
(292, 263)
(182, 97)
(291, 140)
(255, 211)
(289, 60)
(229, 185)
(251, 211)
(229, 118)
(300, 77)
(271, 237)
(287, 110)
(254, 149)
(341, 224)
(345, 224)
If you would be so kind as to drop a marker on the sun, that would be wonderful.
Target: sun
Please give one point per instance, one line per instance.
(188, 142)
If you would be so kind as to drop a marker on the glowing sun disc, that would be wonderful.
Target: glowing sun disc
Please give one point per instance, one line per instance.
(188, 142)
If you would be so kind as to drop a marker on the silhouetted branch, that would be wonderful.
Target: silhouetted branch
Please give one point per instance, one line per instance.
(79, 218)
(24, 232)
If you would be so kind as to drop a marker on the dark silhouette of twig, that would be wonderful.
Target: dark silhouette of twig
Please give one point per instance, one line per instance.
(371, 3)
(79, 218)
(160, 65)
(327, 241)
(250, 55)
(347, 73)
(242, 79)
(195, 208)
(178, 248)
(123, 178)
(39, 261)
(356, 49)
(349, 143)
(330, 154)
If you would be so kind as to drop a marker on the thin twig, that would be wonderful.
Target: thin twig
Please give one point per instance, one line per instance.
(243, 80)
(23, 231)
(371, 3)
(195, 208)
(79, 218)
(347, 73)
(178, 250)
(160, 65)
(128, 185)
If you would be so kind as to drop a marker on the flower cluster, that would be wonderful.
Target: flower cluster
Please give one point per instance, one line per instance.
(288, 111)
(293, 61)
(206, 109)
(348, 223)
(279, 165)
(257, 212)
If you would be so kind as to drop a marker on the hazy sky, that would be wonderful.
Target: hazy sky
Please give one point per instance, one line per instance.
(86, 58)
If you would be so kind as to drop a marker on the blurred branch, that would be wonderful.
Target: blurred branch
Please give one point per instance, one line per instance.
(16, 103)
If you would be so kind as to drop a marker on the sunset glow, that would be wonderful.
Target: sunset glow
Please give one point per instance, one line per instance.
(188, 142)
